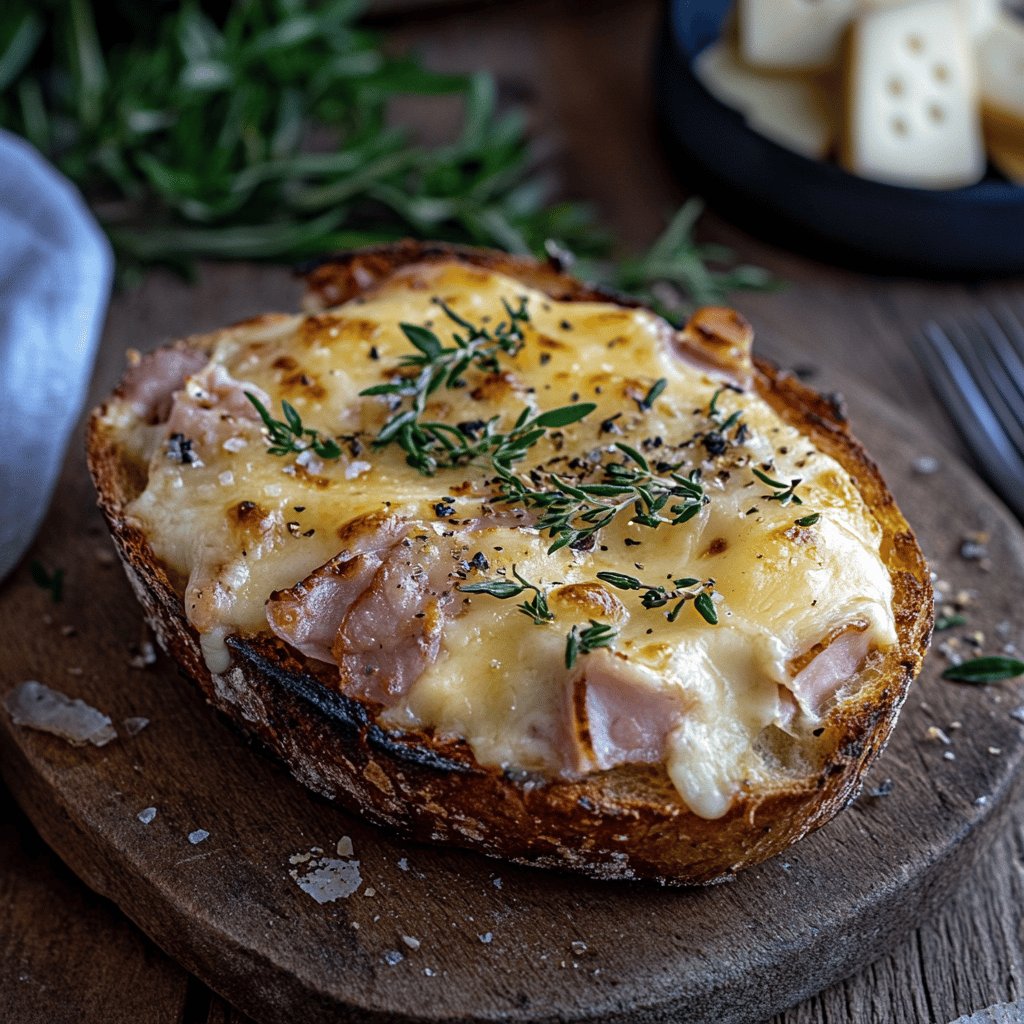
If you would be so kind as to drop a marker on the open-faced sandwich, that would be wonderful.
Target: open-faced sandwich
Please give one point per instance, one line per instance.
(503, 561)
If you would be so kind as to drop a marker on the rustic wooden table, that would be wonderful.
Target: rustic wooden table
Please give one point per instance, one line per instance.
(582, 70)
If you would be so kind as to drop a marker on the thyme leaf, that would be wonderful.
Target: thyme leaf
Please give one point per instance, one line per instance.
(535, 608)
(784, 494)
(584, 641)
(290, 435)
(655, 596)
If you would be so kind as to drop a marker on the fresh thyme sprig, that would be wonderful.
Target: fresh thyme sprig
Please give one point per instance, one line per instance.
(573, 513)
(685, 590)
(438, 366)
(583, 641)
(808, 520)
(536, 607)
(652, 396)
(289, 435)
(784, 493)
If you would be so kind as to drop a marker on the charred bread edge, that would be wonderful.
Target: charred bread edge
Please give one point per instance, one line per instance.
(435, 791)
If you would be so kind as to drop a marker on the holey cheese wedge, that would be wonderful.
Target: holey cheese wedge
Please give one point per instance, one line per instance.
(502, 561)
(911, 98)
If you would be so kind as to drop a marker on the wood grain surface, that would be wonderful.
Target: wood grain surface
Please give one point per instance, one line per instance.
(969, 954)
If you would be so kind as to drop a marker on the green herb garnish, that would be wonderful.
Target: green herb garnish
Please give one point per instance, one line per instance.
(784, 493)
(573, 513)
(985, 670)
(652, 396)
(263, 133)
(659, 596)
(536, 608)
(808, 520)
(289, 435)
(583, 641)
(51, 581)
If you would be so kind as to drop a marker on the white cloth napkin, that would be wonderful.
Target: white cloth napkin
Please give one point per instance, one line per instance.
(55, 275)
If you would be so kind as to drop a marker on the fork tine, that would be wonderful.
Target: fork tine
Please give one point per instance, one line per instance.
(998, 339)
(1013, 328)
(978, 352)
(956, 388)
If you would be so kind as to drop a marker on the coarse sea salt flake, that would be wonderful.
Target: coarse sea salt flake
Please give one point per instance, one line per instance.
(146, 815)
(345, 846)
(133, 726)
(36, 706)
(327, 879)
(200, 835)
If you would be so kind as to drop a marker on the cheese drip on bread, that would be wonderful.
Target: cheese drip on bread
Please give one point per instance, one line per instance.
(358, 560)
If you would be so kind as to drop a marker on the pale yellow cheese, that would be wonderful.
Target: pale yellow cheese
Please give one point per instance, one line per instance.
(791, 110)
(1001, 81)
(912, 113)
(792, 34)
(499, 679)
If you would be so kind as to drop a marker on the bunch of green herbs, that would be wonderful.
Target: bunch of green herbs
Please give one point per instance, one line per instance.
(261, 129)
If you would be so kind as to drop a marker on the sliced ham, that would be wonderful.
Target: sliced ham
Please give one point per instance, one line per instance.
(822, 677)
(617, 713)
(210, 407)
(393, 630)
(309, 615)
(150, 384)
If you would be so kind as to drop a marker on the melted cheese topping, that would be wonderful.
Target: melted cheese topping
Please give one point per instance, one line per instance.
(238, 523)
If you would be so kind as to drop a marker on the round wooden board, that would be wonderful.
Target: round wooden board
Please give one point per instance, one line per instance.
(495, 942)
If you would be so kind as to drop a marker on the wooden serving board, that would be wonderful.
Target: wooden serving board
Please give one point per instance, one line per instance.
(492, 942)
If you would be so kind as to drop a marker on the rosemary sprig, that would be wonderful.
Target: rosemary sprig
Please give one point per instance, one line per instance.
(784, 493)
(536, 607)
(573, 513)
(684, 590)
(808, 520)
(289, 435)
(583, 641)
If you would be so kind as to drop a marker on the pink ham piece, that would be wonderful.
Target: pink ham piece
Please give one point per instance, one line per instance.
(393, 630)
(819, 681)
(211, 406)
(150, 384)
(617, 714)
(309, 615)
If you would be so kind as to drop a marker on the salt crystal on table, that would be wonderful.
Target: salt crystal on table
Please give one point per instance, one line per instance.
(579, 948)
(345, 846)
(36, 706)
(146, 815)
(195, 838)
(411, 941)
(133, 726)
(486, 938)
(403, 864)
(392, 957)
(327, 879)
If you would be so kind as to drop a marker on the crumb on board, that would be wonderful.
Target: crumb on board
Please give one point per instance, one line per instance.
(133, 726)
(344, 847)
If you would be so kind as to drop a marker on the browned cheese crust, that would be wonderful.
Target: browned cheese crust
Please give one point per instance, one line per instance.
(628, 822)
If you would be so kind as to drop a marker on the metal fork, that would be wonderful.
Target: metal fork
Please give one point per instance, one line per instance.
(976, 367)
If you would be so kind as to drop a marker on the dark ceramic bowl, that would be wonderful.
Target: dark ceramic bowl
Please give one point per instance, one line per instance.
(816, 206)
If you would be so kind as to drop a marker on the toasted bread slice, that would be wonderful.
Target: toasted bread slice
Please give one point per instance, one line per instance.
(629, 820)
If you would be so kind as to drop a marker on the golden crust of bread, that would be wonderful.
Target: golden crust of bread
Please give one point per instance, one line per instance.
(628, 822)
